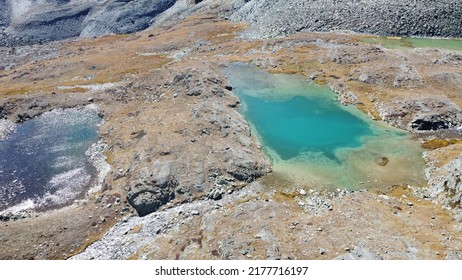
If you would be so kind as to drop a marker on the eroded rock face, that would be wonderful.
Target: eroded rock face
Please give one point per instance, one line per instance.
(155, 187)
(54, 23)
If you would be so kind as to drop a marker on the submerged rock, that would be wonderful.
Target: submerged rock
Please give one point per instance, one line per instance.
(383, 161)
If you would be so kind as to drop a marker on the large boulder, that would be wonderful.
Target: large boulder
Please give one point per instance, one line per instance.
(154, 188)
(424, 114)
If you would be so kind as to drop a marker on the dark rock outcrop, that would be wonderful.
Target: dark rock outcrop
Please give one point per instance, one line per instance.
(432, 122)
(154, 188)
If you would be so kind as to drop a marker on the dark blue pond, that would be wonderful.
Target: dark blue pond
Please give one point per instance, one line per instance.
(43, 163)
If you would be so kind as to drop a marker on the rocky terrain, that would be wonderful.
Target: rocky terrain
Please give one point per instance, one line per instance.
(188, 179)
(34, 21)
(38, 21)
(260, 223)
(399, 18)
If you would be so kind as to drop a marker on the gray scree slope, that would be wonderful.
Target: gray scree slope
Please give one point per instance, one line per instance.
(31, 21)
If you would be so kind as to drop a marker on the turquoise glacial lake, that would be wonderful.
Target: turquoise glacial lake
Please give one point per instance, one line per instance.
(44, 163)
(313, 140)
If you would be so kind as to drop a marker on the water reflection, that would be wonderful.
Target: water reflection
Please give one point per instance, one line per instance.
(43, 163)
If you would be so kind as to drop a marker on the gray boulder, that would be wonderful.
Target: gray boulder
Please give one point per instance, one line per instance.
(424, 114)
(155, 188)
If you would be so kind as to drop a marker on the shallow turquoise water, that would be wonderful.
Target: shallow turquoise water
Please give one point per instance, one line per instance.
(43, 163)
(314, 140)
(301, 124)
(413, 42)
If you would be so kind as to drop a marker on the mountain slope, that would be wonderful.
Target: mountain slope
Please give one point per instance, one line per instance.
(32, 21)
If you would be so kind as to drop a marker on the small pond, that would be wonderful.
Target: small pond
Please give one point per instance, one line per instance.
(43, 162)
(313, 140)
